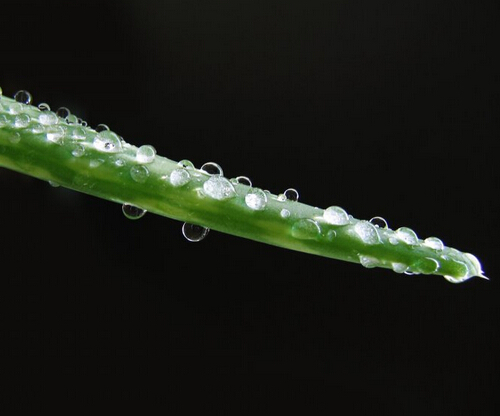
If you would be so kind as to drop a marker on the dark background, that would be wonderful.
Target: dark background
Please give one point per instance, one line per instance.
(382, 107)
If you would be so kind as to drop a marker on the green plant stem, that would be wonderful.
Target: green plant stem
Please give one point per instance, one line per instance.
(35, 143)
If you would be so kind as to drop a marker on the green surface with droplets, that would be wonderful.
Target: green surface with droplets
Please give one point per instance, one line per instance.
(65, 153)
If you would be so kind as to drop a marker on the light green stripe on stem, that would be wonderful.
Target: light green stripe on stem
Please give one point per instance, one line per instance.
(35, 143)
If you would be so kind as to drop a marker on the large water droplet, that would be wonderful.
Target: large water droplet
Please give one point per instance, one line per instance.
(434, 243)
(146, 154)
(179, 177)
(48, 118)
(256, 199)
(132, 212)
(219, 188)
(107, 141)
(407, 235)
(21, 121)
(399, 267)
(78, 133)
(78, 150)
(367, 232)
(23, 97)
(336, 216)
(72, 119)
(306, 229)
(139, 173)
(44, 107)
(194, 233)
(291, 194)
(212, 168)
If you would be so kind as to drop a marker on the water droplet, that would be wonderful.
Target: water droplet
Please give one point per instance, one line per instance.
(146, 154)
(478, 269)
(63, 112)
(78, 150)
(139, 173)
(291, 194)
(331, 234)
(43, 107)
(426, 265)
(101, 127)
(212, 168)
(434, 243)
(15, 137)
(368, 261)
(119, 162)
(336, 216)
(94, 163)
(179, 177)
(399, 267)
(186, 164)
(194, 233)
(3, 120)
(367, 232)
(107, 141)
(132, 212)
(306, 229)
(379, 222)
(256, 199)
(281, 198)
(219, 188)
(23, 97)
(48, 118)
(54, 133)
(284, 213)
(37, 128)
(407, 235)
(54, 184)
(21, 121)
(15, 108)
(241, 180)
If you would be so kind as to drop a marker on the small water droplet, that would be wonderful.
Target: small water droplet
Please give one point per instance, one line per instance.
(331, 234)
(241, 180)
(21, 121)
(3, 120)
(256, 199)
(72, 119)
(367, 232)
(285, 213)
(119, 162)
(94, 163)
(434, 243)
(23, 97)
(368, 261)
(101, 127)
(291, 194)
(306, 229)
(218, 188)
(146, 154)
(78, 133)
(281, 198)
(54, 133)
(78, 150)
(212, 168)
(43, 107)
(132, 212)
(15, 137)
(54, 184)
(179, 177)
(184, 163)
(426, 265)
(379, 222)
(194, 233)
(336, 216)
(407, 235)
(37, 128)
(139, 173)
(107, 141)
(63, 112)
(399, 267)
(48, 118)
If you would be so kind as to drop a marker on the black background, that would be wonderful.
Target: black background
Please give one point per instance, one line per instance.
(382, 107)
